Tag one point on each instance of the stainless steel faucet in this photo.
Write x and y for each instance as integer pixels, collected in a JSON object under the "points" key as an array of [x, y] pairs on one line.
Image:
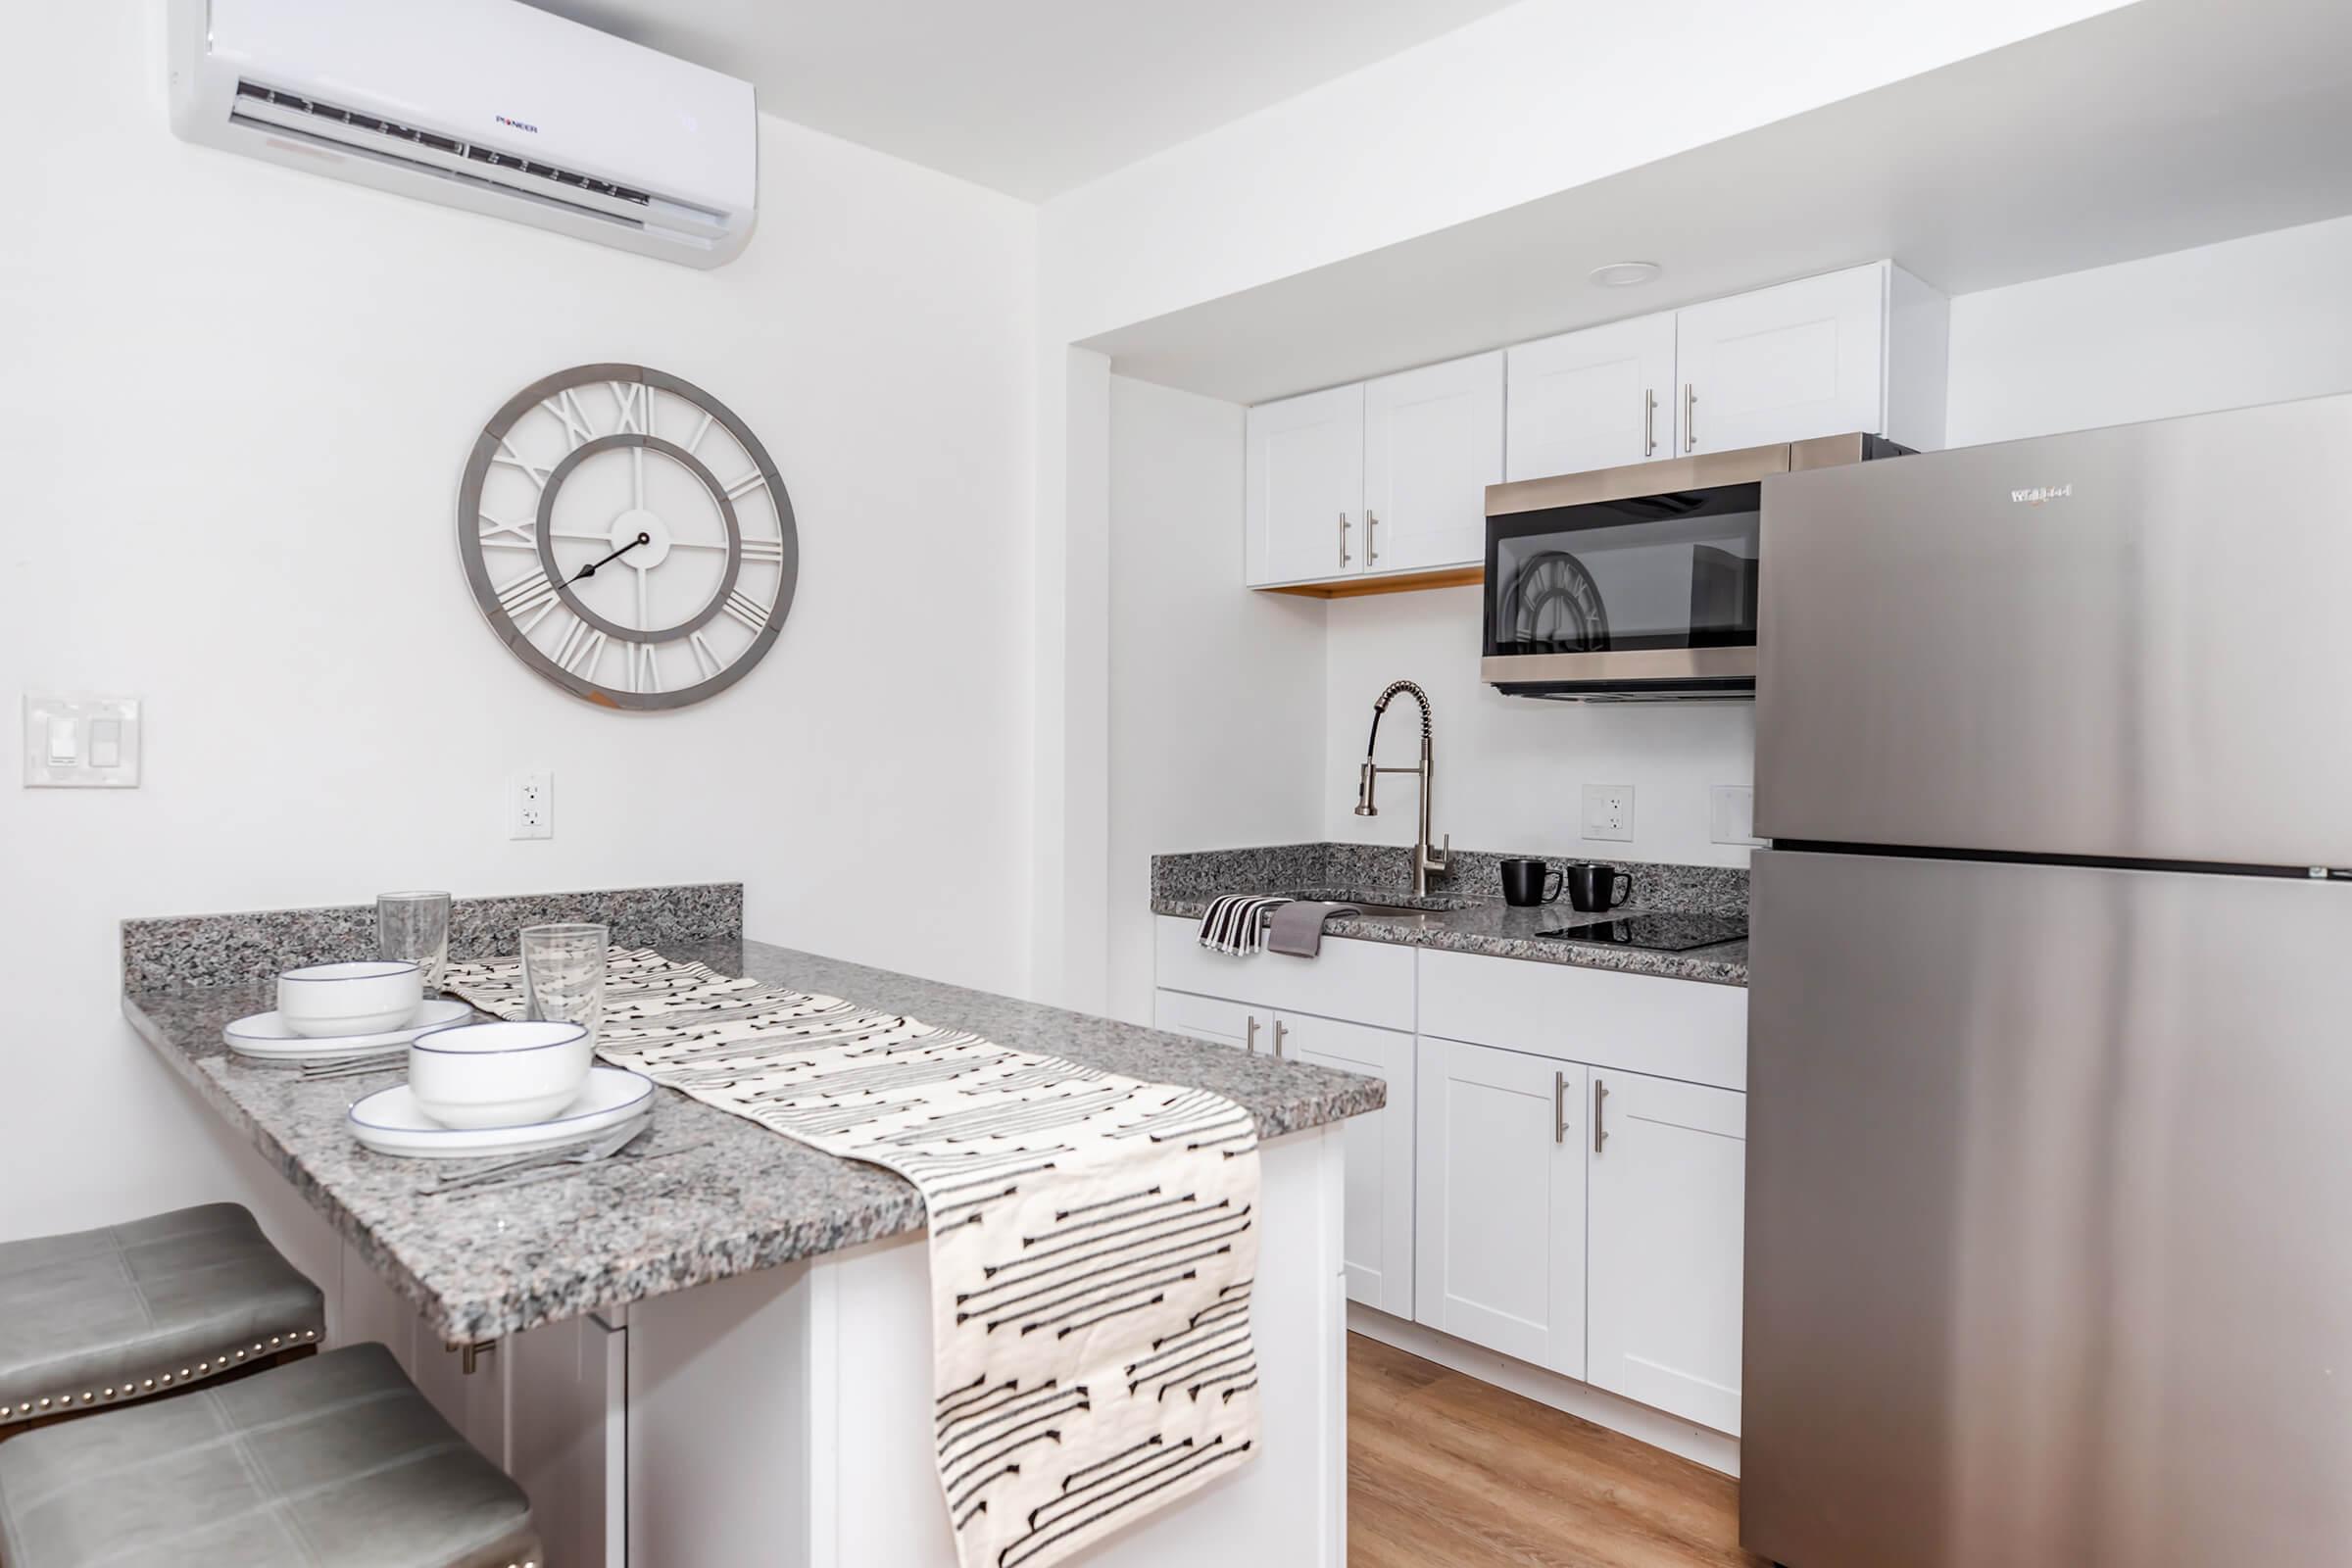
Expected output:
{"points": [[1425, 858]]}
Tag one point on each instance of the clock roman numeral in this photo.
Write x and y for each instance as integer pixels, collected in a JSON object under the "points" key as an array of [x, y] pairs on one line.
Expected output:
{"points": [[701, 430], [704, 660], [564, 406], [497, 535], [508, 456], [644, 675], [582, 645], [632, 406], [770, 550], [754, 480], [746, 609], [527, 599]]}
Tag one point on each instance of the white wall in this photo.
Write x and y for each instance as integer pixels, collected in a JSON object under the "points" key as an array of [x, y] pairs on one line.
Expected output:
{"points": [[2259, 320], [1540, 97], [1511, 770], [1216, 732], [236, 403]]}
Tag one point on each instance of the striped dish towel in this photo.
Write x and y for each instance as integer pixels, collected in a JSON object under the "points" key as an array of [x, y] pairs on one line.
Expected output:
{"points": [[1236, 924]]}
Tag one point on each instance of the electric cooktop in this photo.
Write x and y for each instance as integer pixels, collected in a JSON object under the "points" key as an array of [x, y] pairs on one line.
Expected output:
{"points": [[1660, 933]]}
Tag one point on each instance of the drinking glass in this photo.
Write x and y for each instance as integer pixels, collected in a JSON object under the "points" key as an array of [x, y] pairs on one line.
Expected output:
{"points": [[415, 926], [563, 974]]}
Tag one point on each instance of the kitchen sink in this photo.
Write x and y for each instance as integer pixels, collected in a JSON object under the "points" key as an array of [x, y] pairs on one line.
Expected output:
{"points": [[1385, 909]]}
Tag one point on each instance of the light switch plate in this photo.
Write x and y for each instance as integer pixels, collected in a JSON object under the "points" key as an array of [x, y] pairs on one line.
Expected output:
{"points": [[1732, 808], [82, 743], [1609, 812]]}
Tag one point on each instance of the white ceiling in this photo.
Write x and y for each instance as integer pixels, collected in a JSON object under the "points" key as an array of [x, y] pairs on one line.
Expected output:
{"points": [[1029, 96], [2162, 126]]}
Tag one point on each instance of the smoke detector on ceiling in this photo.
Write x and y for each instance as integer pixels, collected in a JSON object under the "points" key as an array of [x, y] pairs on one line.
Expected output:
{"points": [[1625, 275]]}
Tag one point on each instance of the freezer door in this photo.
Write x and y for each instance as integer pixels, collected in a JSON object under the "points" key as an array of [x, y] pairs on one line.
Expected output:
{"points": [[2129, 643], [2049, 1217]]}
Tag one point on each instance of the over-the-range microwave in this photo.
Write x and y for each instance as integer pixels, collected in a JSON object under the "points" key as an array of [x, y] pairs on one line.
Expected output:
{"points": [[1638, 583]]}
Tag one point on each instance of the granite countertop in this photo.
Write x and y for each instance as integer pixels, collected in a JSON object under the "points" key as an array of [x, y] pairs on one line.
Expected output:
{"points": [[482, 1264], [1479, 921]]}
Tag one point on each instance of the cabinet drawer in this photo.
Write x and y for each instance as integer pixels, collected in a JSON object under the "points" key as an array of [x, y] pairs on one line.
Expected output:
{"points": [[1639, 1023], [1211, 1019], [1364, 982]]}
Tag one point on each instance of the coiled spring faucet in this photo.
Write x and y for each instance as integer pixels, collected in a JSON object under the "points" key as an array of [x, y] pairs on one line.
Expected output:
{"points": [[1425, 858]]}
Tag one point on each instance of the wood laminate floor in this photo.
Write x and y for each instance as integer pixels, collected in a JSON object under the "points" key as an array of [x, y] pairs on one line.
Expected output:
{"points": [[1444, 1471]]}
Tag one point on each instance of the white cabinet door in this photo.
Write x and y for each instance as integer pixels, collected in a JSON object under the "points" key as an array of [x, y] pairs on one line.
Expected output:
{"points": [[1433, 442], [1211, 1019], [1379, 1246], [1305, 471], [1668, 1179], [1597, 399], [1500, 1250], [1786, 364]]}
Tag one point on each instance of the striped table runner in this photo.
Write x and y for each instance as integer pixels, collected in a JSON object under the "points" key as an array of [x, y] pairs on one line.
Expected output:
{"points": [[1093, 1240]]}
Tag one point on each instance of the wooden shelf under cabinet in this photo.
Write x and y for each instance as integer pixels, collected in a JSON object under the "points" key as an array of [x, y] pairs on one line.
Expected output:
{"points": [[1401, 583]]}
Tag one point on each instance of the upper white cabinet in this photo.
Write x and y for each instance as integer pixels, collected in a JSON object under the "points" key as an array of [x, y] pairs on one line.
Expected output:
{"points": [[1499, 1232], [1597, 399], [1785, 363], [1433, 442], [1387, 479], [1667, 1183], [1306, 505]]}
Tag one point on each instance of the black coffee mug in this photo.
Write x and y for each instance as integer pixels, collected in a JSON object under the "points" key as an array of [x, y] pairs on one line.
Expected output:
{"points": [[1528, 882], [1592, 887]]}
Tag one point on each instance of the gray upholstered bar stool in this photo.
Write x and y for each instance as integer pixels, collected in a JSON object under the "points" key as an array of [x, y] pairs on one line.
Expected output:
{"points": [[336, 1459], [128, 1312]]}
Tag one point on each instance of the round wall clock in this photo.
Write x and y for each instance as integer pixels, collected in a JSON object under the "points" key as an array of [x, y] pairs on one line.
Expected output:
{"points": [[627, 537]]}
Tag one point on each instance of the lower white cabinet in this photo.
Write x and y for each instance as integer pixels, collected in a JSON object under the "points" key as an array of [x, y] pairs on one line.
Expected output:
{"points": [[1521, 1190], [1666, 1175], [1378, 1251], [1501, 1202], [1379, 1246]]}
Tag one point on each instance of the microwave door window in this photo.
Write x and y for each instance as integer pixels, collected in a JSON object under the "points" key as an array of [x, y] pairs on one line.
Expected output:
{"points": [[1590, 579]]}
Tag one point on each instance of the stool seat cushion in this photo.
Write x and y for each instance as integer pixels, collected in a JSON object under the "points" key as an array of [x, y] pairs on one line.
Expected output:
{"points": [[127, 1311], [334, 1459]]}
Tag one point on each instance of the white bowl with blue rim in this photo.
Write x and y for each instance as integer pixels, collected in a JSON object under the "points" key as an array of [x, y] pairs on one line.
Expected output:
{"points": [[365, 997], [499, 1074]]}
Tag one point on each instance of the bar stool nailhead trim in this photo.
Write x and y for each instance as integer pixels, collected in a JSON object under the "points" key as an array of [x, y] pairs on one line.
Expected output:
{"points": [[290, 1338]]}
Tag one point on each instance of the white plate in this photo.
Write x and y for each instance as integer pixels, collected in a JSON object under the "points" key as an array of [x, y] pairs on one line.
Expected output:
{"points": [[389, 1122], [266, 1036]]}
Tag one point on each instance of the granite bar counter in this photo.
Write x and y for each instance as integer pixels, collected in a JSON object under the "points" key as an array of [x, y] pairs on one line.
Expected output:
{"points": [[1467, 913], [486, 1264]]}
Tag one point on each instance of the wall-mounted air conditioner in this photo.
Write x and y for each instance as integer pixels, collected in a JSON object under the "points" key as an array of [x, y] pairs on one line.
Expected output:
{"points": [[483, 104]]}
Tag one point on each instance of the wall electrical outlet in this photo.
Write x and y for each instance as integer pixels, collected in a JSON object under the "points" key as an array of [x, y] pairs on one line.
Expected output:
{"points": [[532, 806], [1609, 811]]}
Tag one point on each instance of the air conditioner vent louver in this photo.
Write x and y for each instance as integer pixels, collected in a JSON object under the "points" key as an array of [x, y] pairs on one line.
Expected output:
{"points": [[440, 143]]}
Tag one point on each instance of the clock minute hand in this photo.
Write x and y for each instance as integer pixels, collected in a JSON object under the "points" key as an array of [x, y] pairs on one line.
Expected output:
{"points": [[589, 571]]}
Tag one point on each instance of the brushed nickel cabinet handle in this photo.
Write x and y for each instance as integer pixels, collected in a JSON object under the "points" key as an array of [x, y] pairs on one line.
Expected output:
{"points": [[1344, 556], [1600, 1093], [1559, 1108], [1649, 423], [1253, 1034], [1371, 539], [1690, 418], [1280, 1032]]}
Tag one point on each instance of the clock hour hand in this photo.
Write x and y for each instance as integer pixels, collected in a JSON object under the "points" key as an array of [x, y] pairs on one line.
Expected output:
{"points": [[589, 571]]}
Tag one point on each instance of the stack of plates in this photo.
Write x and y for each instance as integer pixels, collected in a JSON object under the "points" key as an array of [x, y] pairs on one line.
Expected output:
{"points": [[266, 1037], [389, 1121]]}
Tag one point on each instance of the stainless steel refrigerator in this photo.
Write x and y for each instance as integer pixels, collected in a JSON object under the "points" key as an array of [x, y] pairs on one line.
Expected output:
{"points": [[2050, 1191]]}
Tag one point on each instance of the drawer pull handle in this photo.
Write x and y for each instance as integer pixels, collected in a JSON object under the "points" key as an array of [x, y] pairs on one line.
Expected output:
{"points": [[1600, 1093], [1559, 1108], [1281, 1030], [1252, 1035]]}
